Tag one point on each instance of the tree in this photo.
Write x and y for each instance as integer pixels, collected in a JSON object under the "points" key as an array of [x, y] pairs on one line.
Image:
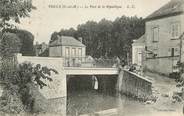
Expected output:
{"points": [[53, 37], [19, 85], [69, 32], [17, 78], [10, 44], [14, 10], [26, 39], [89, 33], [108, 38], [63, 32], [105, 37]]}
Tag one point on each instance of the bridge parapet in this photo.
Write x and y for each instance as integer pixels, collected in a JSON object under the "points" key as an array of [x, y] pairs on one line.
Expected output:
{"points": [[90, 71], [89, 62]]}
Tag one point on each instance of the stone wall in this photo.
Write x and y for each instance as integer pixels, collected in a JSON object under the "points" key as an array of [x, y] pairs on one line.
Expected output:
{"points": [[52, 98], [134, 85], [161, 65]]}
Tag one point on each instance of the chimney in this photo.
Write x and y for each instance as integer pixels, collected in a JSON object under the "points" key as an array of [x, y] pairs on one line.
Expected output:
{"points": [[80, 39]]}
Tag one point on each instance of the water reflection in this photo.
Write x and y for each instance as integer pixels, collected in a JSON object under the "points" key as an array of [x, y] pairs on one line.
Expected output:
{"points": [[82, 98], [84, 102], [128, 106]]}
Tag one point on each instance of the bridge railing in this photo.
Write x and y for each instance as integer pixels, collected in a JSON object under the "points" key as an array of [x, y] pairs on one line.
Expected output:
{"points": [[87, 62]]}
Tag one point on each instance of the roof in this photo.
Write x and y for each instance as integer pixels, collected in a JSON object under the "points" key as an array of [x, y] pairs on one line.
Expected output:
{"points": [[172, 8], [66, 41], [140, 41]]}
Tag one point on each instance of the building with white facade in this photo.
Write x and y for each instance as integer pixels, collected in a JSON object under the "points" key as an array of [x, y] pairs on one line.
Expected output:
{"points": [[73, 50], [138, 49]]}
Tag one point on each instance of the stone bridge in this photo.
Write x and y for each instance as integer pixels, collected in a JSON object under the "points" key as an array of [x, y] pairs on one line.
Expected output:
{"points": [[56, 92]]}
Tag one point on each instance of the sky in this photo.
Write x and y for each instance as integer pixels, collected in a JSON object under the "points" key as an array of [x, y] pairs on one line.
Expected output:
{"points": [[45, 20]]}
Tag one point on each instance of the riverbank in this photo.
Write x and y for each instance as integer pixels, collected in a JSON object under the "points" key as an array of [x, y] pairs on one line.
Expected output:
{"points": [[89, 103], [163, 88]]}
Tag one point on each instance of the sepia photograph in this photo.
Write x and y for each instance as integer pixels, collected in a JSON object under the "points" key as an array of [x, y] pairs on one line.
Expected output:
{"points": [[91, 57]]}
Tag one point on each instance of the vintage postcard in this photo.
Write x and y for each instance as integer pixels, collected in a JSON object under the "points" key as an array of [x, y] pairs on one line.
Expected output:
{"points": [[91, 57]]}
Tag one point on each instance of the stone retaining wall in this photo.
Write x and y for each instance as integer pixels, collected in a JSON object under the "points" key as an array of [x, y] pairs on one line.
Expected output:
{"points": [[52, 98], [134, 85]]}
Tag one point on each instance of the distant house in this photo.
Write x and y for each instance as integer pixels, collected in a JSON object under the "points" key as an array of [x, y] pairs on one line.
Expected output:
{"points": [[163, 30], [138, 49], [69, 48], [40, 48]]}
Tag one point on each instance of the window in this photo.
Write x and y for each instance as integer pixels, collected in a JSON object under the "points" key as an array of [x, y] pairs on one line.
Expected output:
{"points": [[173, 51], [67, 52], [74, 52], [175, 30], [155, 34], [80, 52]]}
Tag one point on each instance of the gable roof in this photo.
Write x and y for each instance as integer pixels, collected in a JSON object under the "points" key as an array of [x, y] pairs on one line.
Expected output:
{"points": [[66, 41], [140, 41], [172, 8]]}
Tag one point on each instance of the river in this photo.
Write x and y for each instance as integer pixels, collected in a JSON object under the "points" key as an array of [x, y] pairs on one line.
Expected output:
{"points": [[84, 99], [91, 101]]}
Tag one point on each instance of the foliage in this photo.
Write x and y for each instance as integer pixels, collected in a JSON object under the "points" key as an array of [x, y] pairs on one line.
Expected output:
{"points": [[53, 37], [18, 86], [16, 90], [45, 53], [179, 78], [10, 101], [17, 97], [29, 73], [26, 39], [14, 10], [9, 44], [107, 38], [70, 32]]}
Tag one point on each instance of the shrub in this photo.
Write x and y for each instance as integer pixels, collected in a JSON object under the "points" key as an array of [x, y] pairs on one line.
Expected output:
{"points": [[17, 90]]}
